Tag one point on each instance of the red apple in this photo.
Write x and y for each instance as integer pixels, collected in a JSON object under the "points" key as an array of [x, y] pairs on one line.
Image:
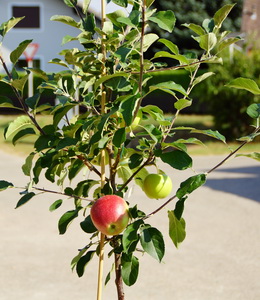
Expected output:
{"points": [[110, 214]]}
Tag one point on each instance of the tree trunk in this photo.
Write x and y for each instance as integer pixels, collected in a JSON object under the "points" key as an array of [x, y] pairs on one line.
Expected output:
{"points": [[119, 281]]}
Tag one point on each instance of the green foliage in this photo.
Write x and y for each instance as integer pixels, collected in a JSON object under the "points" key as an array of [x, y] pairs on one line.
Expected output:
{"points": [[198, 12], [229, 105], [102, 139]]}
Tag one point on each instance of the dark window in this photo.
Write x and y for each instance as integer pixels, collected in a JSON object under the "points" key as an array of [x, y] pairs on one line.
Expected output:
{"points": [[31, 14]]}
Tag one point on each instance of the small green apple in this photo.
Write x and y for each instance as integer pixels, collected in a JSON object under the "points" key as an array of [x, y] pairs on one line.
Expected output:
{"points": [[157, 186], [135, 123], [110, 214]]}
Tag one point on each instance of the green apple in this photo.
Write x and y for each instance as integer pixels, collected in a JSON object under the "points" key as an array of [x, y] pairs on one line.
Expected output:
{"points": [[110, 214], [157, 186], [133, 125]]}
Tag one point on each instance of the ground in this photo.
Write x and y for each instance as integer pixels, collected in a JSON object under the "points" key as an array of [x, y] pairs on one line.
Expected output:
{"points": [[219, 260]]}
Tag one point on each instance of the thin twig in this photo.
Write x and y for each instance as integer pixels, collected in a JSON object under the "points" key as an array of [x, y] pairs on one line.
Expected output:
{"points": [[60, 193], [147, 162]]}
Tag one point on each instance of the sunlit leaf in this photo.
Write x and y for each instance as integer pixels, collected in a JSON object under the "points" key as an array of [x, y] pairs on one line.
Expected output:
{"points": [[130, 236], [5, 185], [152, 242], [27, 197], [177, 231], [130, 269], [254, 155], [83, 261], [66, 219], [55, 205], [177, 159], [190, 185], [20, 123], [254, 110], [65, 19], [221, 14], [15, 55], [164, 19], [172, 47], [245, 84]]}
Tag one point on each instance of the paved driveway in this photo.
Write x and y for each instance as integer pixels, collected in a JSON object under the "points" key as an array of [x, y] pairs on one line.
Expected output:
{"points": [[219, 260]]}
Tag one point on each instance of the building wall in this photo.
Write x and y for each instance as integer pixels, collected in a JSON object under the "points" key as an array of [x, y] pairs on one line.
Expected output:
{"points": [[49, 36], [251, 17]]}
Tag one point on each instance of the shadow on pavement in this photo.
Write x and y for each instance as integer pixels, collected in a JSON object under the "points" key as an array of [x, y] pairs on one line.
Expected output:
{"points": [[247, 185]]}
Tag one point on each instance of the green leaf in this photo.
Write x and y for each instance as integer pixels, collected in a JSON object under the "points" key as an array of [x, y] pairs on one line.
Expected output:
{"points": [[130, 236], [207, 41], [22, 134], [85, 5], [212, 133], [177, 231], [60, 113], [152, 242], [65, 19], [115, 15], [172, 47], [127, 107], [107, 77], [227, 42], [221, 14], [87, 225], [55, 205], [190, 185], [122, 3], [179, 208], [20, 83], [135, 160], [119, 137], [177, 159], [5, 185], [254, 155], [164, 19], [33, 101], [6, 26], [254, 110], [245, 84], [6, 102], [27, 197], [169, 85], [149, 39], [66, 219], [195, 28], [130, 269], [202, 77], [69, 3], [182, 103], [83, 261], [20, 123], [119, 84], [15, 55]]}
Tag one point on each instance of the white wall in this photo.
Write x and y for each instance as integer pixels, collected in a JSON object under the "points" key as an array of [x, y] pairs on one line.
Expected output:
{"points": [[49, 37]]}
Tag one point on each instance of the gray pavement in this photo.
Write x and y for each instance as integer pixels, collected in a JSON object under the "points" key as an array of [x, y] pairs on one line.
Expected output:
{"points": [[219, 260]]}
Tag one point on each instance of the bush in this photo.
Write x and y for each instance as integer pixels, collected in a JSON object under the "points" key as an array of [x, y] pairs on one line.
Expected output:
{"points": [[228, 106]]}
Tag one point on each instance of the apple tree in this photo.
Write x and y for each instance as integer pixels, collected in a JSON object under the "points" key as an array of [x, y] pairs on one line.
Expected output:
{"points": [[115, 137]]}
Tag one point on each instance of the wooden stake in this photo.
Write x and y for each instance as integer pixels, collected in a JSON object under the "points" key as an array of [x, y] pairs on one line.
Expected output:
{"points": [[103, 164]]}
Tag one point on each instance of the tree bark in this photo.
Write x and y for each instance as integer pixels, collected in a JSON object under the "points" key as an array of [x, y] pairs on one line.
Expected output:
{"points": [[119, 280]]}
